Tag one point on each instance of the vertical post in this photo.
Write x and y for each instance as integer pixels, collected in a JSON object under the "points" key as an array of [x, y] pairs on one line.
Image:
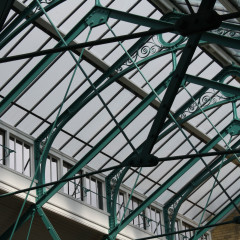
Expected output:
{"points": [[48, 224], [6, 143]]}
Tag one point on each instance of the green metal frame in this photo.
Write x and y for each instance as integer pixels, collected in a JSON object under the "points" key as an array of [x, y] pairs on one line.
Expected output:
{"points": [[223, 37], [48, 224], [117, 175], [218, 217], [6, 6], [11, 31], [175, 80], [154, 24], [221, 76], [166, 185], [176, 201], [71, 111]]}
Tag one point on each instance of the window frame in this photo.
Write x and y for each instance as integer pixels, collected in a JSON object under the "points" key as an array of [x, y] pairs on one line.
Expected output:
{"points": [[140, 216], [3, 143], [69, 183], [158, 229], [51, 158], [13, 156], [99, 196]]}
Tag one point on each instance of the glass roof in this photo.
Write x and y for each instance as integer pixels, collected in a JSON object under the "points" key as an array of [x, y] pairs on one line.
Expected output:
{"points": [[37, 106]]}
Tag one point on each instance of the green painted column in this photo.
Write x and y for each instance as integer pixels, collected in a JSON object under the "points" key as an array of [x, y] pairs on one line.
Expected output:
{"points": [[48, 224]]}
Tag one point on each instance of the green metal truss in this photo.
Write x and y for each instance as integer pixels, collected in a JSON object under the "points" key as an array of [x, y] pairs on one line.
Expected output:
{"points": [[218, 217], [69, 113], [220, 77], [11, 31], [92, 19], [176, 201], [5, 9], [154, 24], [48, 224], [167, 184], [114, 179]]}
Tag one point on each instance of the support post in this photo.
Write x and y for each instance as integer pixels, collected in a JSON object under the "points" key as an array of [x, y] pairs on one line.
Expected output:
{"points": [[48, 224]]}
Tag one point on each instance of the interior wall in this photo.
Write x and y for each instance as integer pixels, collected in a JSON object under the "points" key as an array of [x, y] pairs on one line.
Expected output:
{"points": [[227, 232]]}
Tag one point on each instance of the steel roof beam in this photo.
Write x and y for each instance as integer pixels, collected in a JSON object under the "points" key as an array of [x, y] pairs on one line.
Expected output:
{"points": [[166, 184], [215, 51], [6, 6], [172, 89], [226, 210], [159, 120], [224, 88], [102, 66], [177, 200]]}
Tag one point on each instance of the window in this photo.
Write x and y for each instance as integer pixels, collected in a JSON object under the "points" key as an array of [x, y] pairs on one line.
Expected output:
{"points": [[74, 187], [140, 219], [94, 192], [176, 229], [153, 220], [189, 234], [87, 189], [20, 159], [51, 170], [186, 227], [120, 205], [2, 144]]}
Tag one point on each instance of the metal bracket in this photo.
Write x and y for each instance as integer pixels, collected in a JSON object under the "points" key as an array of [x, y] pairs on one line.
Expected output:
{"points": [[7, 151], [98, 17], [234, 128], [148, 161], [198, 22]]}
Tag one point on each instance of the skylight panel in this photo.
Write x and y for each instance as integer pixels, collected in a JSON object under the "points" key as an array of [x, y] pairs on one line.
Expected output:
{"points": [[29, 123]]}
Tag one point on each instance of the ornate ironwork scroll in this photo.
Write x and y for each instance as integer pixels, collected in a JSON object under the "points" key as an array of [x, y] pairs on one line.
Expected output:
{"points": [[113, 182], [170, 212], [210, 97], [154, 45], [42, 2], [226, 32]]}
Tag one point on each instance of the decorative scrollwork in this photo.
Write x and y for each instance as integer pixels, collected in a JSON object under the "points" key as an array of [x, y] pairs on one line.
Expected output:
{"points": [[205, 100], [226, 32], [171, 209], [114, 181], [43, 144], [155, 44], [150, 48], [42, 2]]}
